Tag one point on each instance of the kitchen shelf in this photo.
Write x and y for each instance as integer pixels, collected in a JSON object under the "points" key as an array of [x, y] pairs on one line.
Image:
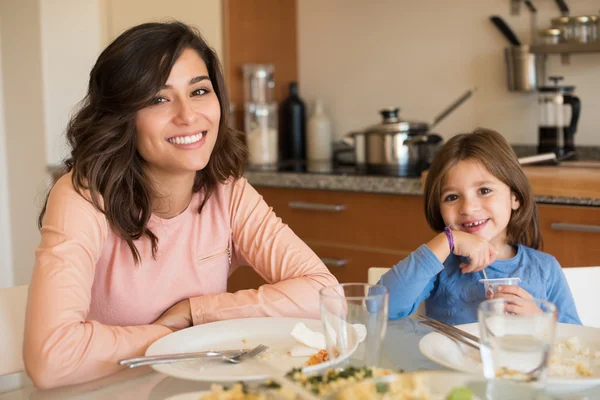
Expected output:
{"points": [[566, 48]]}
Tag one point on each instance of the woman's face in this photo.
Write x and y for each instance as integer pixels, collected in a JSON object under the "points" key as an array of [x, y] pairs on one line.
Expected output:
{"points": [[176, 134]]}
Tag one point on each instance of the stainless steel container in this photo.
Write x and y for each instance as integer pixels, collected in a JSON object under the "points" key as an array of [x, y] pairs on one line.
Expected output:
{"points": [[524, 69]]}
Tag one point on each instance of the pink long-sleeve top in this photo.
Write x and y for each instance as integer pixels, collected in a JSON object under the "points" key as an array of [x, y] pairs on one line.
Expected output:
{"points": [[90, 305]]}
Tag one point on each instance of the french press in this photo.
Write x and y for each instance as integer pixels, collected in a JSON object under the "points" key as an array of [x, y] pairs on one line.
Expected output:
{"points": [[555, 133]]}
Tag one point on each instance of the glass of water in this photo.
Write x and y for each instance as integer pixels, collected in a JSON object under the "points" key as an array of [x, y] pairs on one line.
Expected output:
{"points": [[354, 317], [516, 339]]}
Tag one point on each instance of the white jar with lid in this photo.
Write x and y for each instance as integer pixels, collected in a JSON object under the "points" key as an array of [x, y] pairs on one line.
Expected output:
{"points": [[319, 135]]}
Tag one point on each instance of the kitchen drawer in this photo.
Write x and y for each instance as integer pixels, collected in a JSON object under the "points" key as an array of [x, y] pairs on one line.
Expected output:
{"points": [[571, 234], [351, 264], [361, 219]]}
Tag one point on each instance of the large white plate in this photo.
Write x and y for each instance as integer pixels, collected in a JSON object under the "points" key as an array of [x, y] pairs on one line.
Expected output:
{"points": [[459, 357], [236, 334], [440, 383]]}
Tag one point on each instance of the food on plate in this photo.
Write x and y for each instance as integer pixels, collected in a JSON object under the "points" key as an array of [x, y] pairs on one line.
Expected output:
{"points": [[366, 383], [460, 393], [318, 358], [571, 359], [312, 344], [332, 380], [240, 391]]}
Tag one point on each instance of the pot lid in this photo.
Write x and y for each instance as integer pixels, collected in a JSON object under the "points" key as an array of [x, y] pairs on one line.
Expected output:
{"points": [[391, 123]]}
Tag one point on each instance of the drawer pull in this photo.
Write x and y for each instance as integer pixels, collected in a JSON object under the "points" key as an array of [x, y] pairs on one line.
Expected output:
{"points": [[334, 262], [563, 226], [302, 205]]}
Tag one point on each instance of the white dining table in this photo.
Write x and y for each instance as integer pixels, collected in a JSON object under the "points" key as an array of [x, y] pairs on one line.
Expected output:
{"points": [[400, 350]]}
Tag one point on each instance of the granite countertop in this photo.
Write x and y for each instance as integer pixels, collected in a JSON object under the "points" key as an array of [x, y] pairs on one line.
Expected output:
{"points": [[391, 185]]}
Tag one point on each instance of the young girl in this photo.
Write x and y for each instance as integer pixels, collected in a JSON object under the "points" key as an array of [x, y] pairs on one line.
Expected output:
{"points": [[479, 199]]}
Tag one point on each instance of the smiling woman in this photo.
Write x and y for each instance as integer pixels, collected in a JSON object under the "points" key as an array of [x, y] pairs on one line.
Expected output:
{"points": [[141, 234]]}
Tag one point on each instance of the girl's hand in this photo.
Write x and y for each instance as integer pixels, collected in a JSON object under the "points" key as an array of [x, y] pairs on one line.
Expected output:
{"points": [[480, 251], [177, 317], [513, 294]]}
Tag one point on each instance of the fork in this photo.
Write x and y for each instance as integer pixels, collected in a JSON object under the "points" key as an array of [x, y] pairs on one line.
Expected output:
{"points": [[450, 331], [235, 359]]}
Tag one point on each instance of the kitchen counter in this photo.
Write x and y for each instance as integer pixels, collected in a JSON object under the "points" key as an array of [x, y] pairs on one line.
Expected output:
{"points": [[568, 184]]}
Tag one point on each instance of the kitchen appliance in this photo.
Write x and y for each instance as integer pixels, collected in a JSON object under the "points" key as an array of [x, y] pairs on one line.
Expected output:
{"points": [[556, 130], [260, 116], [398, 147]]}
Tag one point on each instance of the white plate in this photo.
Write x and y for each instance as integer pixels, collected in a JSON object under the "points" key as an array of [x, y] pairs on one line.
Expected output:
{"points": [[440, 383], [236, 334], [448, 353]]}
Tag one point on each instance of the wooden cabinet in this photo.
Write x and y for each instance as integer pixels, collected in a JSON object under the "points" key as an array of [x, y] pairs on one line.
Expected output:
{"points": [[571, 234], [351, 232]]}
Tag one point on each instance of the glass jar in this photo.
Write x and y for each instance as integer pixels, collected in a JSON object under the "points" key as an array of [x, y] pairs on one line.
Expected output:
{"points": [[260, 125], [550, 36], [581, 29], [259, 83]]}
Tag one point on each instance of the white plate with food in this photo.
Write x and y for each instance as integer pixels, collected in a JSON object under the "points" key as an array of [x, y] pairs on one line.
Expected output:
{"points": [[575, 362], [238, 334], [425, 385]]}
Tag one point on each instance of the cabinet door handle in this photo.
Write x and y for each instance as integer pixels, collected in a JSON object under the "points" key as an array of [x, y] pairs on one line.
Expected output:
{"points": [[334, 262], [563, 226], [303, 205]]}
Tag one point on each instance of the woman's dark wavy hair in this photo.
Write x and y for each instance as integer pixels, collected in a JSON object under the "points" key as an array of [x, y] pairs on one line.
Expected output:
{"points": [[102, 135], [493, 152]]}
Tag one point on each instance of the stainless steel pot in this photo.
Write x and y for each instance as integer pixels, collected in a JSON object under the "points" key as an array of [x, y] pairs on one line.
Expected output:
{"points": [[398, 147]]}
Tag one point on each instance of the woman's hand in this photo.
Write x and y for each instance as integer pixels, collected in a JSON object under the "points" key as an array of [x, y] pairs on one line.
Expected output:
{"points": [[177, 317], [481, 252], [513, 294]]}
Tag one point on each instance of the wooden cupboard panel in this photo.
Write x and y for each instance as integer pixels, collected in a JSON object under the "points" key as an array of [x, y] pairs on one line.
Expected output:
{"points": [[259, 32], [353, 265], [571, 248], [375, 221], [244, 278]]}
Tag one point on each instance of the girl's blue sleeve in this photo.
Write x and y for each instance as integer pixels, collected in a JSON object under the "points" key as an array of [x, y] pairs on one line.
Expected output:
{"points": [[411, 281], [559, 293]]}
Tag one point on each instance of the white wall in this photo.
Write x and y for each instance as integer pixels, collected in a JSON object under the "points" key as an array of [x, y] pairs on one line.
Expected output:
{"points": [[206, 15], [374, 54], [24, 123], [71, 40], [6, 264]]}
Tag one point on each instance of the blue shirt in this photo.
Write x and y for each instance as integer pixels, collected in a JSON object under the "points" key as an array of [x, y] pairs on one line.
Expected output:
{"points": [[453, 297]]}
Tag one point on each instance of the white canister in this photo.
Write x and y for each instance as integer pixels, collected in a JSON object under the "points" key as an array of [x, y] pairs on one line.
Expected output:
{"points": [[319, 136]]}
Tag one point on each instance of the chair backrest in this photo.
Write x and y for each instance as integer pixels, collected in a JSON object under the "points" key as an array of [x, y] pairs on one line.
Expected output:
{"points": [[585, 286], [13, 302], [375, 273]]}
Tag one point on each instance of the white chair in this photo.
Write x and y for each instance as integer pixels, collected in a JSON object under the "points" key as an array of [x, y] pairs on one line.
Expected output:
{"points": [[585, 287], [13, 302], [375, 273]]}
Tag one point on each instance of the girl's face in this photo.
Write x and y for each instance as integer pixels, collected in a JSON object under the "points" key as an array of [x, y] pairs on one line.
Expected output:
{"points": [[475, 201], [176, 134]]}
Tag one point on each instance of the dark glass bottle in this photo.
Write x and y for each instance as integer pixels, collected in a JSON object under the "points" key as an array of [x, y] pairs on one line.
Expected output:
{"points": [[292, 129]]}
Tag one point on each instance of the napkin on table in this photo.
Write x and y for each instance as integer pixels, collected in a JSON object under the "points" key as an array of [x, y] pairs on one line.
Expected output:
{"points": [[309, 342]]}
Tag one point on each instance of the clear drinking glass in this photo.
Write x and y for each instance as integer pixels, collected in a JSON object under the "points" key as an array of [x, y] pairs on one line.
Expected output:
{"points": [[517, 346], [350, 311]]}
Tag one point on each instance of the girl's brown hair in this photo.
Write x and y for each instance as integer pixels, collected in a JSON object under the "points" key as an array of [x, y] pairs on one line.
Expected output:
{"points": [[102, 135], [493, 152]]}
